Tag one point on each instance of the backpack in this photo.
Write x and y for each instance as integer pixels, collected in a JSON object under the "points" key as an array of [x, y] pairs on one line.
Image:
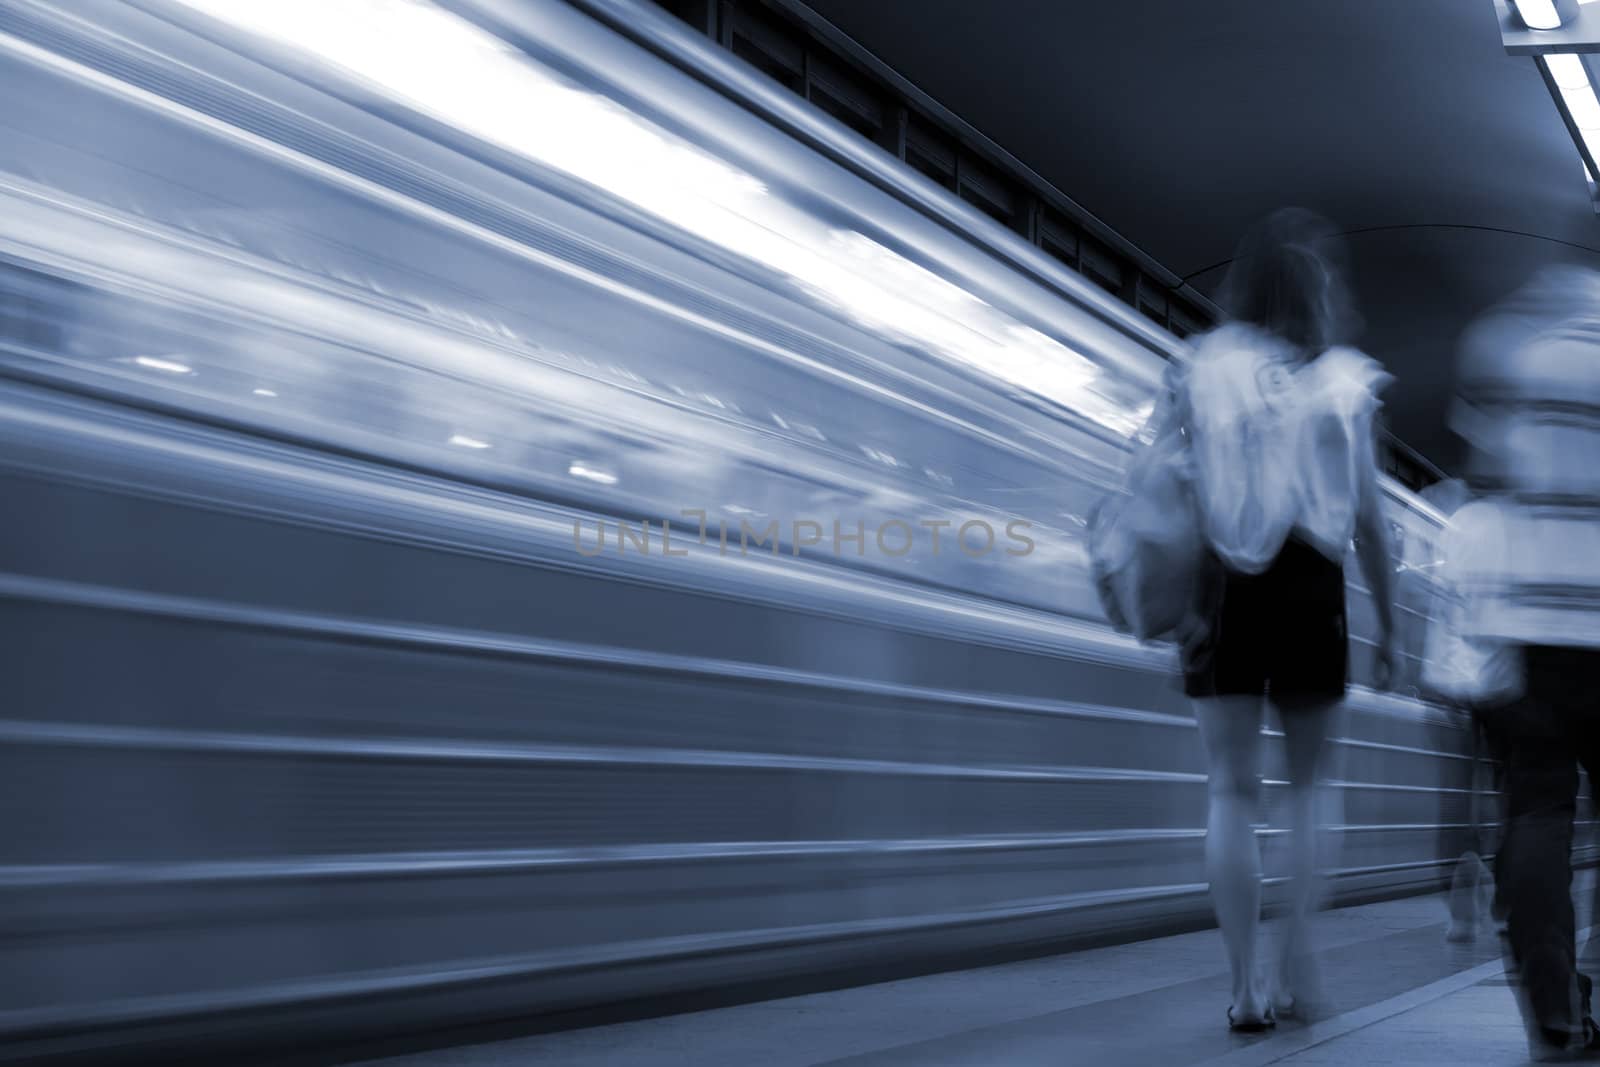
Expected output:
{"points": [[1458, 666], [1146, 549]]}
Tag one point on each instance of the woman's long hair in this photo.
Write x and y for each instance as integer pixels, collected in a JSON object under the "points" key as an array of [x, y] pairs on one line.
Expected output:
{"points": [[1285, 280]]}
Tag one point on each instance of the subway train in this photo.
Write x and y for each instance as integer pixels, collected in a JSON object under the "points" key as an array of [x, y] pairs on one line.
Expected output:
{"points": [[510, 514]]}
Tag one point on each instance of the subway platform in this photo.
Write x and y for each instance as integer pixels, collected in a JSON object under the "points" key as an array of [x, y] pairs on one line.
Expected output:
{"points": [[1397, 992]]}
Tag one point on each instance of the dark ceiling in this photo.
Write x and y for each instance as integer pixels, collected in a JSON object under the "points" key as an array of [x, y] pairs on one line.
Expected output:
{"points": [[1179, 122]]}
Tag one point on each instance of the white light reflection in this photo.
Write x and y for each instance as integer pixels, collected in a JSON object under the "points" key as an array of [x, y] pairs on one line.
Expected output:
{"points": [[879, 456], [1539, 14], [1567, 70], [1583, 107], [1578, 97], [468, 442], [170, 366], [443, 65], [579, 470], [264, 392]]}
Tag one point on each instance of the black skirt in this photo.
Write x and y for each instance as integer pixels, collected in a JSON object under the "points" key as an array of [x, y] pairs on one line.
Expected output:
{"points": [[1281, 632]]}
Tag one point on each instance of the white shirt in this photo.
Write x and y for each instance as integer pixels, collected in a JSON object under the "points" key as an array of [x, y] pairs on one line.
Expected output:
{"points": [[1280, 447], [1542, 587], [1536, 420]]}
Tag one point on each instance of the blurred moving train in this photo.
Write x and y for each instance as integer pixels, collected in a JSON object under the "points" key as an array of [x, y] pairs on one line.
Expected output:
{"points": [[333, 330]]}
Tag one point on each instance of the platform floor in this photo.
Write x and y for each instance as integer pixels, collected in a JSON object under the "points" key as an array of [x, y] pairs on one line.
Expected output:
{"points": [[1397, 993]]}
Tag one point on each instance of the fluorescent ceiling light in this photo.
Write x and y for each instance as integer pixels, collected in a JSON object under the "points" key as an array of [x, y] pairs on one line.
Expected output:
{"points": [[1583, 107], [168, 365], [1539, 14], [1567, 70], [1577, 99], [443, 65]]}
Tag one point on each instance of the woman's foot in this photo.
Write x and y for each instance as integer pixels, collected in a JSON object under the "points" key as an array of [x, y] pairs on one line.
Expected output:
{"points": [[1251, 1013], [1245, 1021], [1299, 992]]}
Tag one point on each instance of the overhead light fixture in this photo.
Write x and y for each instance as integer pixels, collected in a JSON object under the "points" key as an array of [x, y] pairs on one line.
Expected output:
{"points": [[1567, 77], [1541, 14], [1567, 71], [1558, 34]]}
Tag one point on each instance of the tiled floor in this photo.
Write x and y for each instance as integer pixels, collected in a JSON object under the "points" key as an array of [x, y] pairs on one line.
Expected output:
{"points": [[1397, 993], [1472, 1026]]}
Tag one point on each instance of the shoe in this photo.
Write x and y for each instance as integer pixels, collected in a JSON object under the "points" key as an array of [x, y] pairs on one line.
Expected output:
{"points": [[1557, 1046], [1244, 1025]]}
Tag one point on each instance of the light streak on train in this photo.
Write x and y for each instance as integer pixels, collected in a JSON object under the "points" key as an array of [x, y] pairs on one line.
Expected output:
{"points": [[466, 77]]}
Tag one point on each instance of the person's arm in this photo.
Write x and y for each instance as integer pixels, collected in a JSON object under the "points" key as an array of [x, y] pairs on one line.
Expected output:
{"points": [[1376, 556], [1170, 413]]}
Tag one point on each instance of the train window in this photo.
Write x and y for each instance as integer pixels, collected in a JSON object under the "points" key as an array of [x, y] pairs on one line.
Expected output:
{"points": [[701, 14], [1100, 266], [767, 47], [1058, 237], [846, 98], [931, 152], [988, 191], [1152, 300], [868, 126], [1181, 322]]}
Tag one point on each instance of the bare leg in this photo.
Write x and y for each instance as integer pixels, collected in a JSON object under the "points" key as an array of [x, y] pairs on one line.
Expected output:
{"points": [[1306, 730], [1231, 730]]}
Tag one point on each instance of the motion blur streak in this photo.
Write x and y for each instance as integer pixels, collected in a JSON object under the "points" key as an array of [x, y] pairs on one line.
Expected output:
{"points": [[471, 80], [316, 345]]}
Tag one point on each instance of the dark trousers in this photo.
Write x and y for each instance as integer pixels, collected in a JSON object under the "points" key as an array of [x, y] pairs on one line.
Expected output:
{"points": [[1549, 732]]}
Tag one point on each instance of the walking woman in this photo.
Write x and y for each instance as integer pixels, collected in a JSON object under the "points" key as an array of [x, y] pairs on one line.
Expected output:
{"points": [[1282, 437]]}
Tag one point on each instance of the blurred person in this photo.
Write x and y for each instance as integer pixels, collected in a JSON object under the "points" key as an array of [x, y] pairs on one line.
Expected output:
{"points": [[1280, 420], [1530, 406], [1476, 681]]}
